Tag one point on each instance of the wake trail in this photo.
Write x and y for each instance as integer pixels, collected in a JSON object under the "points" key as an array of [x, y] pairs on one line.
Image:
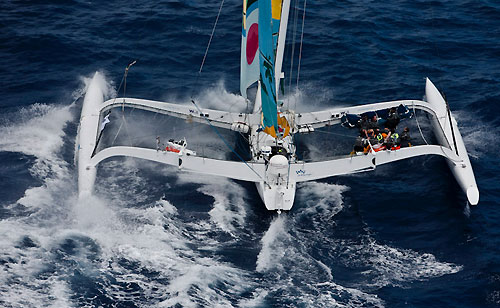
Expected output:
{"points": [[289, 255]]}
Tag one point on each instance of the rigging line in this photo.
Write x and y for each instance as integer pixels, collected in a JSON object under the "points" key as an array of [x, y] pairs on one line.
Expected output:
{"points": [[124, 121], [123, 106], [211, 36], [289, 164], [119, 87], [119, 128], [286, 53], [243, 136], [418, 125], [301, 40], [225, 142], [295, 17], [125, 85], [451, 124], [206, 51], [331, 133], [124, 80]]}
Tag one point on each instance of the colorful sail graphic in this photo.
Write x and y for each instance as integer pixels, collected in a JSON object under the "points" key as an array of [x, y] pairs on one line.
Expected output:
{"points": [[249, 70], [267, 49], [276, 20], [260, 36]]}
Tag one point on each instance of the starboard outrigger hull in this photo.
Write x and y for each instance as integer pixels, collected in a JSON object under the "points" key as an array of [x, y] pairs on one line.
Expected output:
{"points": [[446, 129]]}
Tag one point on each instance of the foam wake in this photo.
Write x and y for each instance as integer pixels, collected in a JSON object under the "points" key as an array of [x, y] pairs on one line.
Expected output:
{"points": [[106, 248], [300, 253], [293, 276]]}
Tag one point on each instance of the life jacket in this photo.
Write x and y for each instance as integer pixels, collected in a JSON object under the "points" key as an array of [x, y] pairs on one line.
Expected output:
{"points": [[395, 138], [395, 142]]}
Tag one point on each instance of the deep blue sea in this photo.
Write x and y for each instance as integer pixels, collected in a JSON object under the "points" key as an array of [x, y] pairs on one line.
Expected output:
{"points": [[401, 236]]}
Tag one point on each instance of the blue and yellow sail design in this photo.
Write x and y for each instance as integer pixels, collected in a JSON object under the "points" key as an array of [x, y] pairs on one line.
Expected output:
{"points": [[276, 20], [260, 31], [269, 21]]}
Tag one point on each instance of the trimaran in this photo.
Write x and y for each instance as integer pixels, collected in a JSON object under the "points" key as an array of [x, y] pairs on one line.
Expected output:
{"points": [[274, 165]]}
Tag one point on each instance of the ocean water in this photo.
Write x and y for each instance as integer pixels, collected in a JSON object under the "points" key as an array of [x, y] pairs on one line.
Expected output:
{"points": [[401, 236]]}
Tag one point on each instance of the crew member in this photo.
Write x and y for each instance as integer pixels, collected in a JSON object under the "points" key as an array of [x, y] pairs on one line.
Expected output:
{"points": [[393, 141], [392, 119], [364, 126], [359, 144], [374, 125], [405, 136]]}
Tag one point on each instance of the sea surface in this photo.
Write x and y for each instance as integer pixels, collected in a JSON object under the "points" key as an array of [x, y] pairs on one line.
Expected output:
{"points": [[401, 236]]}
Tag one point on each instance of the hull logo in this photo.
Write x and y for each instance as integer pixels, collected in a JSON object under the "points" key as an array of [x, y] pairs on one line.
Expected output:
{"points": [[301, 172]]}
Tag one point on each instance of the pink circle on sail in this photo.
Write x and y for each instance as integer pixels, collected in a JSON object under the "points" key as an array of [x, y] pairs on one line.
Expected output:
{"points": [[252, 42]]}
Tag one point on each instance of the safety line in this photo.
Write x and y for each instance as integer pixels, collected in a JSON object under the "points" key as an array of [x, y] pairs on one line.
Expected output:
{"points": [[211, 36], [418, 125]]}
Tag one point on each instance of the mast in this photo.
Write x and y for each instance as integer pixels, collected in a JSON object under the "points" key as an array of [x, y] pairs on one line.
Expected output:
{"points": [[285, 9]]}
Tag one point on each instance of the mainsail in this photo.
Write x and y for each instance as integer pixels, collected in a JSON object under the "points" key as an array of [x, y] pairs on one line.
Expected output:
{"points": [[263, 33], [249, 45]]}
